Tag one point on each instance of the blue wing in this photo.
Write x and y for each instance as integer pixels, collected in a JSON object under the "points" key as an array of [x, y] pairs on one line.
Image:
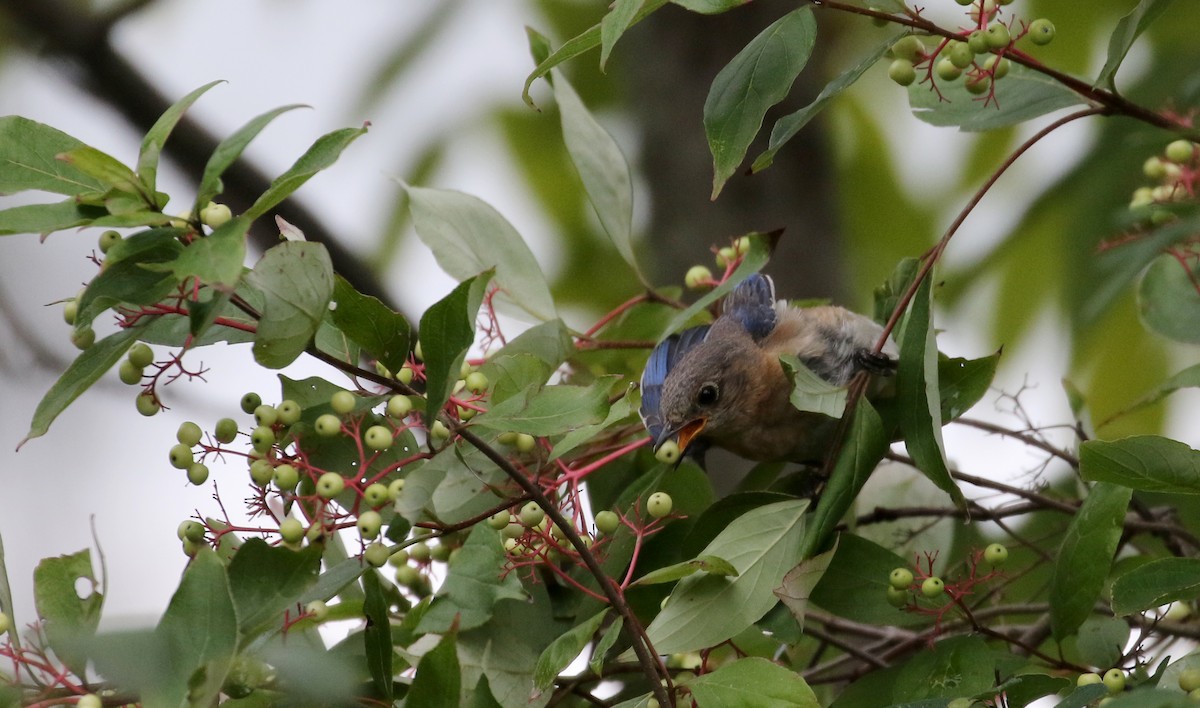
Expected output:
{"points": [[752, 303], [660, 363]]}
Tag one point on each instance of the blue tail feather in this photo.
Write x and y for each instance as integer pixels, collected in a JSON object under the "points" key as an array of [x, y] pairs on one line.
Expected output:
{"points": [[752, 303]]}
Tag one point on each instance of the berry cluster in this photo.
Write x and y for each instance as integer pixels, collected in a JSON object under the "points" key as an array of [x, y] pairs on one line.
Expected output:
{"points": [[1176, 176], [905, 583], [1113, 680], [978, 53]]}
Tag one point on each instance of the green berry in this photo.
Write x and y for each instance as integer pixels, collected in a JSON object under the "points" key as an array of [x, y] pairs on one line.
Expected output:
{"points": [[897, 597], [369, 523], [376, 555], [395, 488], [513, 530], [261, 472], [343, 402], [291, 530], [1088, 679], [725, 256], [266, 415], [330, 484], [477, 382], [1189, 680], [1194, 695], [375, 495], [327, 425], [146, 404], [607, 522], [697, 277], [197, 473], [5, 623], [440, 553], [405, 375], [668, 453], [909, 48], [226, 430], [1041, 31], [128, 373], [1154, 168], [997, 35], [995, 554], [659, 504], [398, 407], [108, 239], [741, 244], [961, 55], [287, 412], [250, 402], [1181, 151], [933, 586], [189, 433], [70, 311], [140, 355], [262, 438], [181, 456], [532, 514], [398, 558], [439, 431], [419, 552], [190, 530], [214, 215], [286, 477], [947, 71], [407, 576], [418, 352], [978, 84], [499, 520], [525, 443], [89, 700], [83, 338], [378, 437], [1114, 679], [317, 609], [900, 578], [977, 42], [998, 66], [902, 72]]}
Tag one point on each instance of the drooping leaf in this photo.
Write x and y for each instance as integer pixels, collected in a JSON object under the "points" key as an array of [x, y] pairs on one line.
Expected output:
{"points": [[706, 609], [1085, 556], [753, 682], [756, 79], [28, 152], [70, 620], [605, 644], [378, 634], [797, 586], [678, 571], [228, 151], [1128, 29], [467, 236], [217, 258], [551, 410], [473, 585], [438, 682], [1187, 378], [447, 331], [601, 166], [106, 169], [156, 137], [372, 324], [323, 153], [1023, 95], [614, 24], [129, 274], [963, 382], [1147, 463], [45, 218], [811, 392], [1168, 301], [265, 580], [562, 651], [296, 280]]}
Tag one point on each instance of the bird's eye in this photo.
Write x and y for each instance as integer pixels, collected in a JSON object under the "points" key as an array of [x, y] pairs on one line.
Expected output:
{"points": [[708, 395]]}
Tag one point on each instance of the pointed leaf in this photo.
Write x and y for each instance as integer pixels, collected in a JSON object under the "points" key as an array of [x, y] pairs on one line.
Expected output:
{"points": [[1187, 378], [962, 382], [104, 168], [45, 218], [28, 160], [438, 681], [156, 137], [467, 237], [614, 24], [229, 150], [1086, 556], [128, 275], [265, 581], [323, 153], [564, 650], [1128, 29], [296, 280], [552, 410], [70, 620], [760, 251], [378, 329], [710, 7], [378, 634], [811, 392], [671, 573], [447, 331], [1168, 302], [705, 610], [1155, 584], [473, 585], [607, 640], [601, 166], [216, 259], [753, 682], [798, 584], [1147, 463], [756, 79], [1023, 95]]}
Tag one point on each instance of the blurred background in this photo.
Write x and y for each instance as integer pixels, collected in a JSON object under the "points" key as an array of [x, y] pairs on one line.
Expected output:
{"points": [[440, 80]]}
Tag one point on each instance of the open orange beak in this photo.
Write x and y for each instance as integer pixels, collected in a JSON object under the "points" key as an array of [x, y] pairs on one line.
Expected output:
{"points": [[685, 434]]}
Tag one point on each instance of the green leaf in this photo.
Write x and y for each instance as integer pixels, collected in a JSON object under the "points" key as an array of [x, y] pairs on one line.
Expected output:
{"points": [[1168, 302], [1102, 640], [619, 411], [754, 260], [607, 640], [264, 581], [474, 584], [156, 137], [447, 331], [811, 392], [228, 151], [296, 280], [709, 7], [70, 620], [323, 153], [855, 584], [199, 632], [1147, 463], [790, 125], [917, 394], [798, 584], [1023, 95], [88, 367], [106, 169], [753, 682], [551, 410], [1187, 378], [958, 666], [28, 160], [963, 382], [334, 580], [564, 650], [372, 324], [45, 218], [378, 634], [614, 24], [705, 610], [467, 236], [1129, 28], [1023, 689], [588, 40], [215, 259], [602, 168], [1155, 584], [1085, 556], [863, 448], [671, 573], [438, 681], [1083, 696], [129, 274], [756, 79]]}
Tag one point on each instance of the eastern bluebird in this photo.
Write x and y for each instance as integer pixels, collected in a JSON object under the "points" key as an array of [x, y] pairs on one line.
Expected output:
{"points": [[723, 384]]}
